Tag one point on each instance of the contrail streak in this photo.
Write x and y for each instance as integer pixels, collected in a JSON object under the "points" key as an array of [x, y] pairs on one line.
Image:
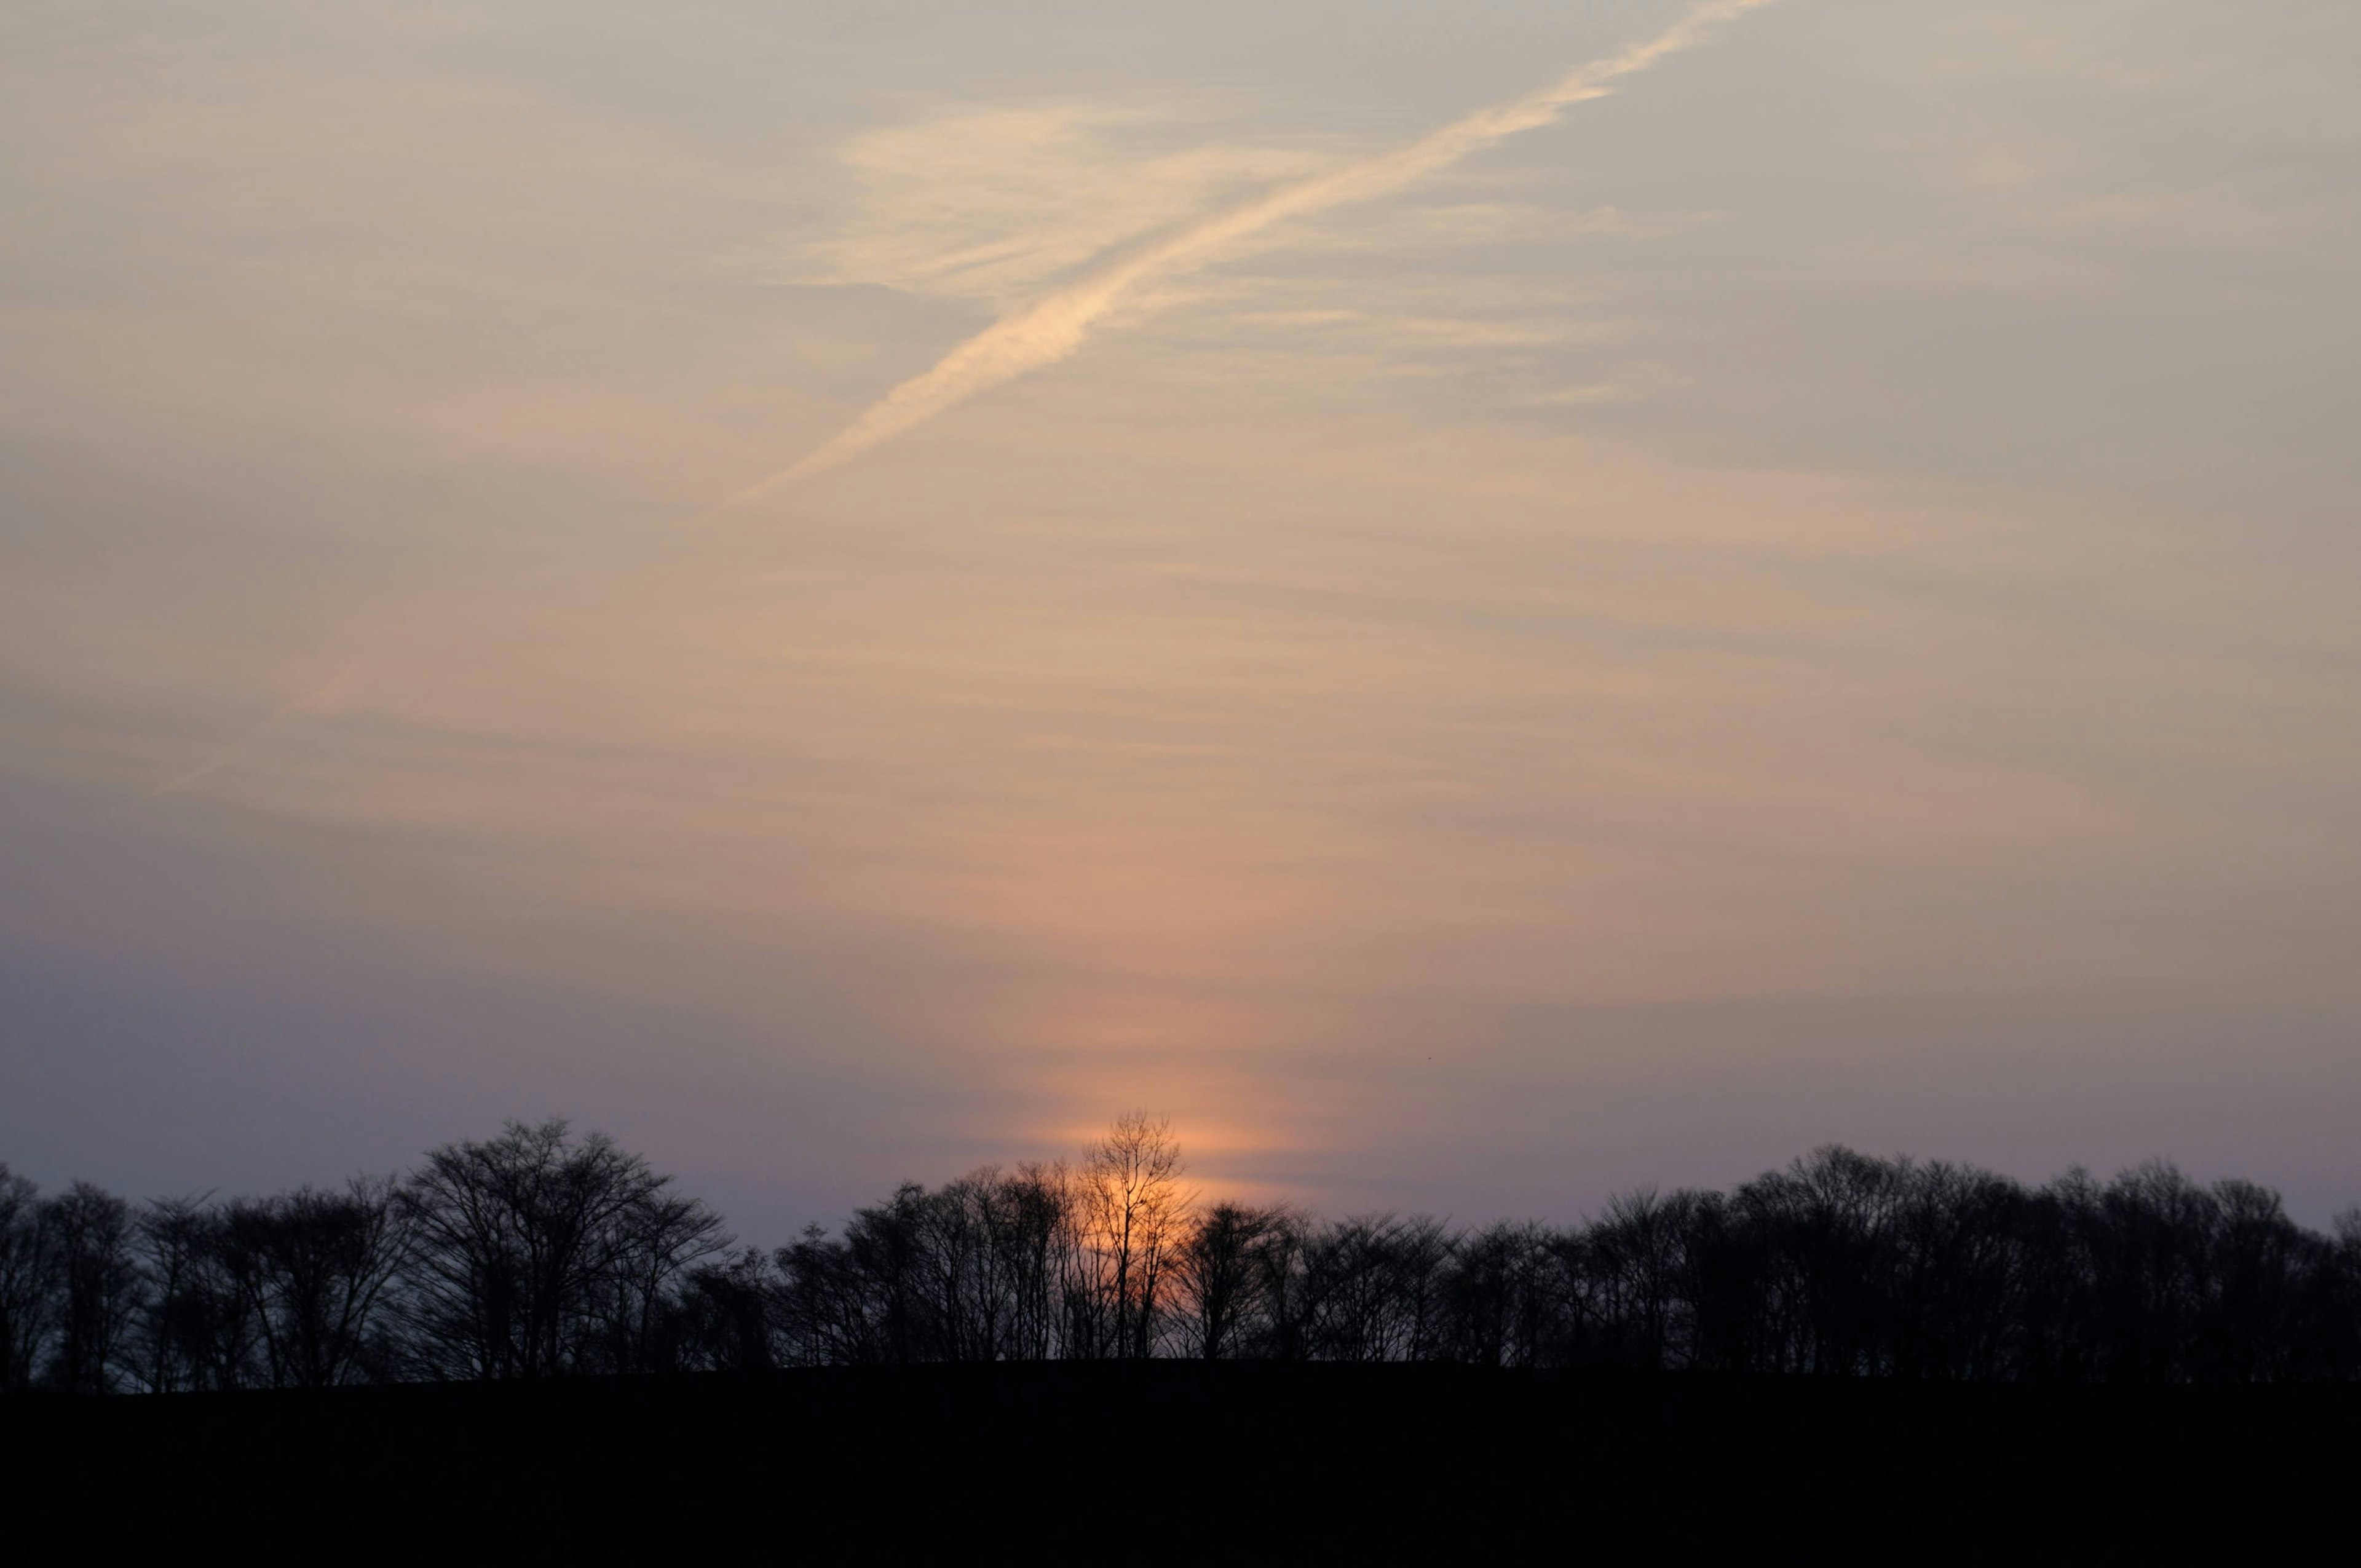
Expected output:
{"points": [[1055, 325], [323, 700]]}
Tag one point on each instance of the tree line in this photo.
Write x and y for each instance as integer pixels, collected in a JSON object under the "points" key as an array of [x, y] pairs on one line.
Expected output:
{"points": [[539, 1252]]}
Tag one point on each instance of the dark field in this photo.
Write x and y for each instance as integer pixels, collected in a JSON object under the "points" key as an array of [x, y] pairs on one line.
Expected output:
{"points": [[1181, 1461]]}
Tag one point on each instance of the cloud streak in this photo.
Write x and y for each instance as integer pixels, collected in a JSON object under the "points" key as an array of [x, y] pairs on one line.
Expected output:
{"points": [[1055, 324], [326, 698]]}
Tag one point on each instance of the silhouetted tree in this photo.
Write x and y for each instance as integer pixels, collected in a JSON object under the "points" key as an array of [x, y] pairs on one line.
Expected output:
{"points": [[521, 1247], [656, 1241], [1041, 1257], [2332, 1322], [1625, 1273], [1369, 1286], [192, 1332], [1135, 1215], [29, 1281], [101, 1288], [1222, 1269], [1502, 1299], [313, 1271], [725, 1316]]}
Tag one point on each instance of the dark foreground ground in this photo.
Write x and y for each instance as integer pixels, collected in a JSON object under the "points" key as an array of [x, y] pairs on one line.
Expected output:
{"points": [[1179, 1462]]}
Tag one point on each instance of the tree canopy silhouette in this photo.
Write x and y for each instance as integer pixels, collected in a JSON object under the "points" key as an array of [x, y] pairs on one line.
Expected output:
{"points": [[539, 1252]]}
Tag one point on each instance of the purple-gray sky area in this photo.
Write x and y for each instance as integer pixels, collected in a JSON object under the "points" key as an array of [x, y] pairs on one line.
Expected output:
{"points": [[1473, 644]]}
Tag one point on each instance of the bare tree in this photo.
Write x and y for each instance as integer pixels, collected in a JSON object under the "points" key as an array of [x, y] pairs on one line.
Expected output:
{"points": [[514, 1239], [728, 1316], [1370, 1287], [189, 1312], [1632, 1265], [91, 1229], [1221, 1271], [1135, 1212], [29, 1281], [1042, 1242], [1497, 1298], [657, 1241], [313, 1270]]}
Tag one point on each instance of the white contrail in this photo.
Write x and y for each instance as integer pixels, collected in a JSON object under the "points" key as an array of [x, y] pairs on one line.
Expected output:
{"points": [[1055, 325]]}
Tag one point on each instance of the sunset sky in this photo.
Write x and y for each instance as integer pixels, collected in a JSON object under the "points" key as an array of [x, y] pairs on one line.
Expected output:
{"points": [[1480, 603]]}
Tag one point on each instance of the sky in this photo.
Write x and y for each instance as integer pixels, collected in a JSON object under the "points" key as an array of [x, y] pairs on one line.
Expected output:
{"points": [[1482, 605]]}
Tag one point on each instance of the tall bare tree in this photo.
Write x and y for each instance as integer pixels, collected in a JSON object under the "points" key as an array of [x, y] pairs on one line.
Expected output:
{"points": [[187, 1320], [1136, 1213], [29, 1291], [101, 1288]]}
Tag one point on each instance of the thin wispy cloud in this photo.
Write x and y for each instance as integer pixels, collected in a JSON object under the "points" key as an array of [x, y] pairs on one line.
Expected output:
{"points": [[999, 204], [1055, 325], [327, 697]]}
